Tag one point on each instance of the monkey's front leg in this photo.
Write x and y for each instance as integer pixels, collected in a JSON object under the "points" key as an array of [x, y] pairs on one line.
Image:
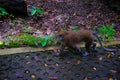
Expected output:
{"points": [[62, 49], [85, 53]]}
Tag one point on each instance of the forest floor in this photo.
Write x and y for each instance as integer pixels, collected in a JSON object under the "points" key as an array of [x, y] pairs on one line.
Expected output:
{"points": [[64, 14], [44, 65]]}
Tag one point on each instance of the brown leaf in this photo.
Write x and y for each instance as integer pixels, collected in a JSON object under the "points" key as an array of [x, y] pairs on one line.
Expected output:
{"points": [[48, 31], [28, 62], [109, 56], [78, 61], [33, 76], [94, 68], [74, 14], [100, 58], [68, 62], [110, 78], [113, 71], [89, 15], [56, 64], [85, 78], [53, 78], [45, 65]]}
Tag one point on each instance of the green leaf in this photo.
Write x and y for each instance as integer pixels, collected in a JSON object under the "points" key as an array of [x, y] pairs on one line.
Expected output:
{"points": [[39, 10], [107, 32], [43, 42], [3, 12], [33, 12], [75, 28]]}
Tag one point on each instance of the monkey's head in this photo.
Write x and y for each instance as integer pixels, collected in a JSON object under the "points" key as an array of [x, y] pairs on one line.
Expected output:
{"points": [[60, 35]]}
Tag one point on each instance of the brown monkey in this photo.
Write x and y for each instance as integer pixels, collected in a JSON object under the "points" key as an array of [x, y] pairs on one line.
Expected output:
{"points": [[72, 39]]}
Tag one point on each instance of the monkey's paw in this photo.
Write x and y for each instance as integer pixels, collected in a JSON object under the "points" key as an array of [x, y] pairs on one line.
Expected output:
{"points": [[85, 54], [56, 54]]}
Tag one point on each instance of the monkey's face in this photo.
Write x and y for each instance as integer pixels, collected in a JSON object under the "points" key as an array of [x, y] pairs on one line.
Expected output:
{"points": [[59, 37]]}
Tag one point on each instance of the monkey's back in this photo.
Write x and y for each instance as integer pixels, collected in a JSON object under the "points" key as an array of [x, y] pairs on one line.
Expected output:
{"points": [[79, 36]]}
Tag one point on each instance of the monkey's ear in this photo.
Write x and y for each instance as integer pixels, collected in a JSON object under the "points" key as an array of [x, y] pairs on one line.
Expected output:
{"points": [[60, 30]]}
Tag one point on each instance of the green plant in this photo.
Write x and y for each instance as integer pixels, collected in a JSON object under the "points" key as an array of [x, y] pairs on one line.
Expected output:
{"points": [[3, 12], [2, 43], [36, 11], [22, 40], [10, 42], [45, 41], [75, 28], [26, 39], [27, 28], [107, 33]]}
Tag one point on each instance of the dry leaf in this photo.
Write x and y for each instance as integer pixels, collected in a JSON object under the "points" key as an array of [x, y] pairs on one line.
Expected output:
{"points": [[53, 78], [113, 71], [28, 62], [94, 68], [85, 78], [78, 61], [110, 78], [68, 62], [109, 55], [48, 31], [56, 64], [100, 58], [33, 76], [45, 65], [74, 14]]}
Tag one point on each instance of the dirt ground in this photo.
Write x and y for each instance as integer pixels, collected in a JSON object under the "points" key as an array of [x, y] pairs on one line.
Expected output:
{"points": [[85, 14]]}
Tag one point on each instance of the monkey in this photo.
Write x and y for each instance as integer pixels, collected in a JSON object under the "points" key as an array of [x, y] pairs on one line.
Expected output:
{"points": [[72, 39]]}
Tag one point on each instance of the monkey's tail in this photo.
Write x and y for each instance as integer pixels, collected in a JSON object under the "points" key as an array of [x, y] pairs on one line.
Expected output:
{"points": [[106, 49]]}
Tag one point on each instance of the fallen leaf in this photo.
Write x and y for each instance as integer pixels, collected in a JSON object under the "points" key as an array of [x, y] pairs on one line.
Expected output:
{"points": [[109, 55], [48, 31], [85, 78], [74, 14], [113, 71], [89, 15], [45, 65], [56, 64], [110, 78], [53, 78], [94, 68], [68, 62], [28, 62], [100, 58], [78, 61], [33, 76]]}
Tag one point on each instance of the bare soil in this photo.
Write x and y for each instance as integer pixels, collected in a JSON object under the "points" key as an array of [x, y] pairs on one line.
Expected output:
{"points": [[85, 14]]}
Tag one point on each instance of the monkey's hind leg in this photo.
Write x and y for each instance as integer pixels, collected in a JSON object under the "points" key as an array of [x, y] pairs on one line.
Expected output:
{"points": [[80, 51], [88, 48]]}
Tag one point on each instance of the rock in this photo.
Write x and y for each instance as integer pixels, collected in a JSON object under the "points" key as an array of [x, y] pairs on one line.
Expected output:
{"points": [[15, 7]]}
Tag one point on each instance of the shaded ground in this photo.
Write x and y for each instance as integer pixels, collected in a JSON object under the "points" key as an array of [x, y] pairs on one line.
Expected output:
{"points": [[46, 66], [63, 14]]}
